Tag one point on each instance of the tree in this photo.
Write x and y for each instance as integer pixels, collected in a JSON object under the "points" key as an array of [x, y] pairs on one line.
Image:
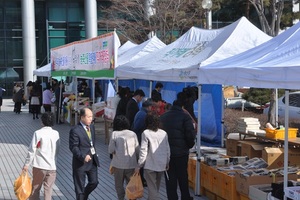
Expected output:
{"points": [[270, 24], [168, 19]]}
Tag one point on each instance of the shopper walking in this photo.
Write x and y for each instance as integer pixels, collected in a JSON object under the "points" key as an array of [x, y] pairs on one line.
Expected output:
{"points": [[42, 153]]}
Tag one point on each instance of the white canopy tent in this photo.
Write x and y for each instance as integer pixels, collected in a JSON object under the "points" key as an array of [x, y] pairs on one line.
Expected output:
{"points": [[43, 71], [179, 61], [274, 64], [149, 46], [125, 47]]}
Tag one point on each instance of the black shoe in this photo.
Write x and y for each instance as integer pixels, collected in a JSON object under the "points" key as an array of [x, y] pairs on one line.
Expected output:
{"points": [[37, 117], [33, 117]]}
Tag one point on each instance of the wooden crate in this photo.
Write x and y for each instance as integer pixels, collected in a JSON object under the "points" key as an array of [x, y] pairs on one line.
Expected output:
{"points": [[210, 195], [216, 181], [192, 172], [228, 187], [206, 176], [243, 197]]}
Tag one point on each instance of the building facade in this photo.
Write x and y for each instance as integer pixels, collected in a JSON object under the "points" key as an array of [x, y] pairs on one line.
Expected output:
{"points": [[30, 28]]}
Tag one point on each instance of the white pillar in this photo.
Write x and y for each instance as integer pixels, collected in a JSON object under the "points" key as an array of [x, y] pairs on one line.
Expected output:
{"points": [[209, 19], [29, 44], [90, 15]]}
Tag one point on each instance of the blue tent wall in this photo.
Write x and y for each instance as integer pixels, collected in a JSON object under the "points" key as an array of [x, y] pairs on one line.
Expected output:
{"points": [[212, 115], [211, 104]]}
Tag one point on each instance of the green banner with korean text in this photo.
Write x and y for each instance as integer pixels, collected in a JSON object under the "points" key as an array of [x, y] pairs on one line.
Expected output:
{"points": [[93, 58]]}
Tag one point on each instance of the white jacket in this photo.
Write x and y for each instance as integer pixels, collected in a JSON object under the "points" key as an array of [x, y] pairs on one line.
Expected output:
{"points": [[43, 149]]}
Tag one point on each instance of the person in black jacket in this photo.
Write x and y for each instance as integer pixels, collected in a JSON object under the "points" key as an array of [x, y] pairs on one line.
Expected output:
{"points": [[132, 106], [155, 94], [181, 135]]}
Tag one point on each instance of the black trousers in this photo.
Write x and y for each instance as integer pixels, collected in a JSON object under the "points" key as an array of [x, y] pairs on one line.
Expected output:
{"points": [[79, 174], [178, 174]]}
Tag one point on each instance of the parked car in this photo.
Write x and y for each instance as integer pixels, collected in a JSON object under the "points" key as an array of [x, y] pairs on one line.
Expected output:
{"points": [[294, 106], [237, 102]]}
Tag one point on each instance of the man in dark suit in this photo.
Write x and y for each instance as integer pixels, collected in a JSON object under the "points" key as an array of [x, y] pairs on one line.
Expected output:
{"points": [[85, 160], [155, 94], [132, 106]]}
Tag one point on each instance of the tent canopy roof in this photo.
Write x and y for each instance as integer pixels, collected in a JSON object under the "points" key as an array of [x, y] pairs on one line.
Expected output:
{"points": [[149, 46], [43, 71], [273, 64], [179, 61]]}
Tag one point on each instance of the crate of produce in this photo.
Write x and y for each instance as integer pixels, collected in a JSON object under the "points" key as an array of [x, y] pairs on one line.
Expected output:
{"points": [[279, 133]]}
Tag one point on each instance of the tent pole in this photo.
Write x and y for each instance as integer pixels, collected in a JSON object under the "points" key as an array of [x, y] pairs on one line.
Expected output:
{"points": [[150, 89], [286, 142], [276, 107], [76, 100], [198, 140], [222, 122]]}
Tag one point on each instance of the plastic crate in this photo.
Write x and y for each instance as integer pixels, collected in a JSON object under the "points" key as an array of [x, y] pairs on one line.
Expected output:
{"points": [[279, 133]]}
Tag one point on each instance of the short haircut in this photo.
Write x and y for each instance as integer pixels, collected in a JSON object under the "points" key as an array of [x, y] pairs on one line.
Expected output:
{"points": [[82, 112], [48, 119], [139, 92], [152, 122], [121, 123], [159, 85]]}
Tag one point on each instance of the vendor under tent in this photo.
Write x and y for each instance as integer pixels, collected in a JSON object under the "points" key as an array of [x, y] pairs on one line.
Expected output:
{"points": [[273, 64], [179, 61]]}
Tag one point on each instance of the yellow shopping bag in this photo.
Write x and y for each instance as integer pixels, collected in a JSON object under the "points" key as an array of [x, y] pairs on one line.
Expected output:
{"points": [[22, 186], [135, 189]]}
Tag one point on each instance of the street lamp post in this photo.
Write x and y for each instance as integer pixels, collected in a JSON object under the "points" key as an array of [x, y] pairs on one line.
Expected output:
{"points": [[207, 4]]}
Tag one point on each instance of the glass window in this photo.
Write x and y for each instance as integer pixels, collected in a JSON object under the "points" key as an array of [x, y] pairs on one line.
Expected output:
{"points": [[2, 31], [294, 100], [14, 49], [13, 14], [57, 11], [14, 33], [55, 42], [55, 33], [40, 12], [1, 15], [75, 12], [2, 52], [57, 25]]}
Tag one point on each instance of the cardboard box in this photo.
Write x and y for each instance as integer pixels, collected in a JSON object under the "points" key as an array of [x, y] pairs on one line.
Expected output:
{"points": [[260, 192], [243, 183], [253, 148], [275, 157], [232, 147]]}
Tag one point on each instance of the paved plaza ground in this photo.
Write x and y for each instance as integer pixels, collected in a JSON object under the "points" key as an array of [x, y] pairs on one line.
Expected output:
{"points": [[16, 132]]}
